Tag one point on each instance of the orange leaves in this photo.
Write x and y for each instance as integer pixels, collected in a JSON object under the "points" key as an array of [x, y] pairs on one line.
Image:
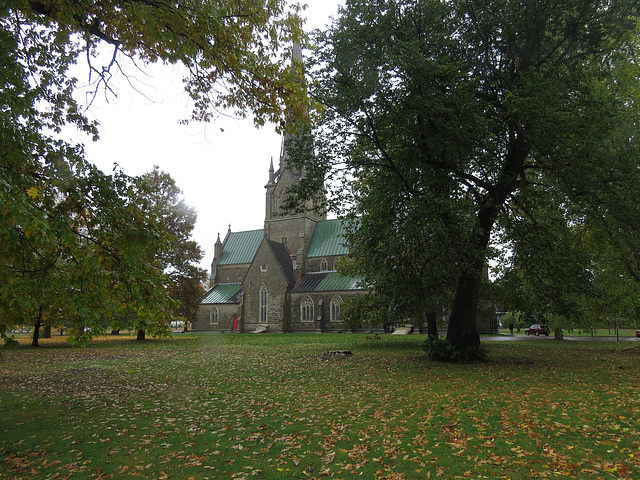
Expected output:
{"points": [[456, 439], [359, 455], [20, 463]]}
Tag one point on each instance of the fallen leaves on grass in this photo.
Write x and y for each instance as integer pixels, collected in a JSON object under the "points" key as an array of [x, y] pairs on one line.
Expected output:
{"points": [[242, 407]]}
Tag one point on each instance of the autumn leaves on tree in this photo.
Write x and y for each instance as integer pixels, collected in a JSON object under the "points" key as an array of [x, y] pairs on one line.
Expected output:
{"points": [[80, 246]]}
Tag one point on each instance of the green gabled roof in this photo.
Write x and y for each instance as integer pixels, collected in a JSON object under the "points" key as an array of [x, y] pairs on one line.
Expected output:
{"points": [[241, 247], [222, 293], [334, 281], [328, 239]]}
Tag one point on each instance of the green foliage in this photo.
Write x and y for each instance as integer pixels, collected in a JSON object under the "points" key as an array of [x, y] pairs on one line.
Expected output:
{"points": [[80, 246], [234, 53], [179, 258], [442, 350], [10, 342], [80, 337], [364, 309], [452, 128], [81, 249]]}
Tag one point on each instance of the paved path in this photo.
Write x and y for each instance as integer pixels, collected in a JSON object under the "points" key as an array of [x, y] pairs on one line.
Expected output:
{"points": [[533, 338]]}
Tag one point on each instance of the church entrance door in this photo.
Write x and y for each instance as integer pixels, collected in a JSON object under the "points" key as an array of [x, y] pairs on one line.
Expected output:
{"points": [[234, 322]]}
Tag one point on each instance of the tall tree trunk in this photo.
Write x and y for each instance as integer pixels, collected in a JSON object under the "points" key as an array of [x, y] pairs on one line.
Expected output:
{"points": [[36, 333], [462, 331], [432, 324], [141, 336]]}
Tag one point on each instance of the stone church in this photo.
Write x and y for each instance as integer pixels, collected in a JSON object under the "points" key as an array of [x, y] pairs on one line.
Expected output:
{"points": [[281, 278]]}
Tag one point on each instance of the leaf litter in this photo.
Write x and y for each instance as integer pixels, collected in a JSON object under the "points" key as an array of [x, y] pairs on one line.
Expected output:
{"points": [[248, 407]]}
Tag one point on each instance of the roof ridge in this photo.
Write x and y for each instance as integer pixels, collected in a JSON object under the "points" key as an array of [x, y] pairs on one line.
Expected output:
{"points": [[282, 255], [248, 231]]}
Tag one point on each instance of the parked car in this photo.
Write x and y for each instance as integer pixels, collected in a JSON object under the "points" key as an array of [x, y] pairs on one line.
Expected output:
{"points": [[637, 333], [538, 330]]}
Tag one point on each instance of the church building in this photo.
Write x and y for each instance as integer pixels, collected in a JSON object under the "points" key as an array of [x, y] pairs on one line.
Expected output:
{"points": [[281, 278]]}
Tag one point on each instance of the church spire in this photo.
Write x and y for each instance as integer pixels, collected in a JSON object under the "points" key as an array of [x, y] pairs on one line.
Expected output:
{"points": [[271, 173], [217, 249]]}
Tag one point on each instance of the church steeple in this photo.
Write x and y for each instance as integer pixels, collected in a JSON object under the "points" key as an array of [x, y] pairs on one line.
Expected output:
{"points": [[271, 174], [217, 255], [217, 249], [291, 228]]}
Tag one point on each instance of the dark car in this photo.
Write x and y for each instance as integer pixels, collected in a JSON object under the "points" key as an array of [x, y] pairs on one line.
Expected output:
{"points": [[538, 330], [637, 333]]}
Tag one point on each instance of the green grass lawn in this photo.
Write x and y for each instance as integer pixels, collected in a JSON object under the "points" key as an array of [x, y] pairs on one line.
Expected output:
{"points": [[267, 407]]}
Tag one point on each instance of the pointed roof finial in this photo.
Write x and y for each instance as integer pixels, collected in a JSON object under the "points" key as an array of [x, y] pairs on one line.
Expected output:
{"points": [[271, 173], [217, 250]]}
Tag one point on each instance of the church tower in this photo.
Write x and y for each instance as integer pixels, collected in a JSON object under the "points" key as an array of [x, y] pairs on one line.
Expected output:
{"points": [[293, 229], [217, 255]]}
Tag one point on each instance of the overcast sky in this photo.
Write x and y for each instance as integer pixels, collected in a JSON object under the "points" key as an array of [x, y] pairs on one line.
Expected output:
{"points": [[221, 166]]}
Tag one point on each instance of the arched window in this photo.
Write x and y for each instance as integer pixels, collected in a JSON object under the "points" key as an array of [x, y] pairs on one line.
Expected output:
{"points": [[213, 316], [264, 295], [306, 309], [285, 241], [324, 265], [334, 309]]}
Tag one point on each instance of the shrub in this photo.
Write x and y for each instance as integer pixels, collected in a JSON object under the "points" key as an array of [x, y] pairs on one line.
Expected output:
{"points": [[442, 350], [10, 342], [438, 348]]}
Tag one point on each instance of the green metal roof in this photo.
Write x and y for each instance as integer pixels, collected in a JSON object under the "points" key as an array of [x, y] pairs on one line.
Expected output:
{"points": [[334, 281], [241, 247], [222, 293], [328, 239]]}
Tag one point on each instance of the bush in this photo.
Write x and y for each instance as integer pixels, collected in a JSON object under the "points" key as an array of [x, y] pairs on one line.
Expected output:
{"points": [[442, 350], [439, 349], [10, 342]]}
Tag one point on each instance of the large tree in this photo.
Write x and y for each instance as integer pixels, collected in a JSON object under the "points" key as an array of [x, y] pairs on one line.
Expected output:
{"points": [[233, 52], [179, 258], [392, 247], [75, 241], [472, 109], [79, 247]]}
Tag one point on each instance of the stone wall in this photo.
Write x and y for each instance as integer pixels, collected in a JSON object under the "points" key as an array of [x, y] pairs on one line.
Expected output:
{"points": [[232, 273], [315, 264], [226, 313], [322, 313], [265, 270], [297, 230]]}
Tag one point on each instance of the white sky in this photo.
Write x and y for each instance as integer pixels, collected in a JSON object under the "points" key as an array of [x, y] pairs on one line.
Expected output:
{"points": [[221, 166]]}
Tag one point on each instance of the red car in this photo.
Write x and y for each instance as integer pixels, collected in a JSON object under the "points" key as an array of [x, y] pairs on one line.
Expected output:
{"points": [[538, 330], [637, 333]]}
